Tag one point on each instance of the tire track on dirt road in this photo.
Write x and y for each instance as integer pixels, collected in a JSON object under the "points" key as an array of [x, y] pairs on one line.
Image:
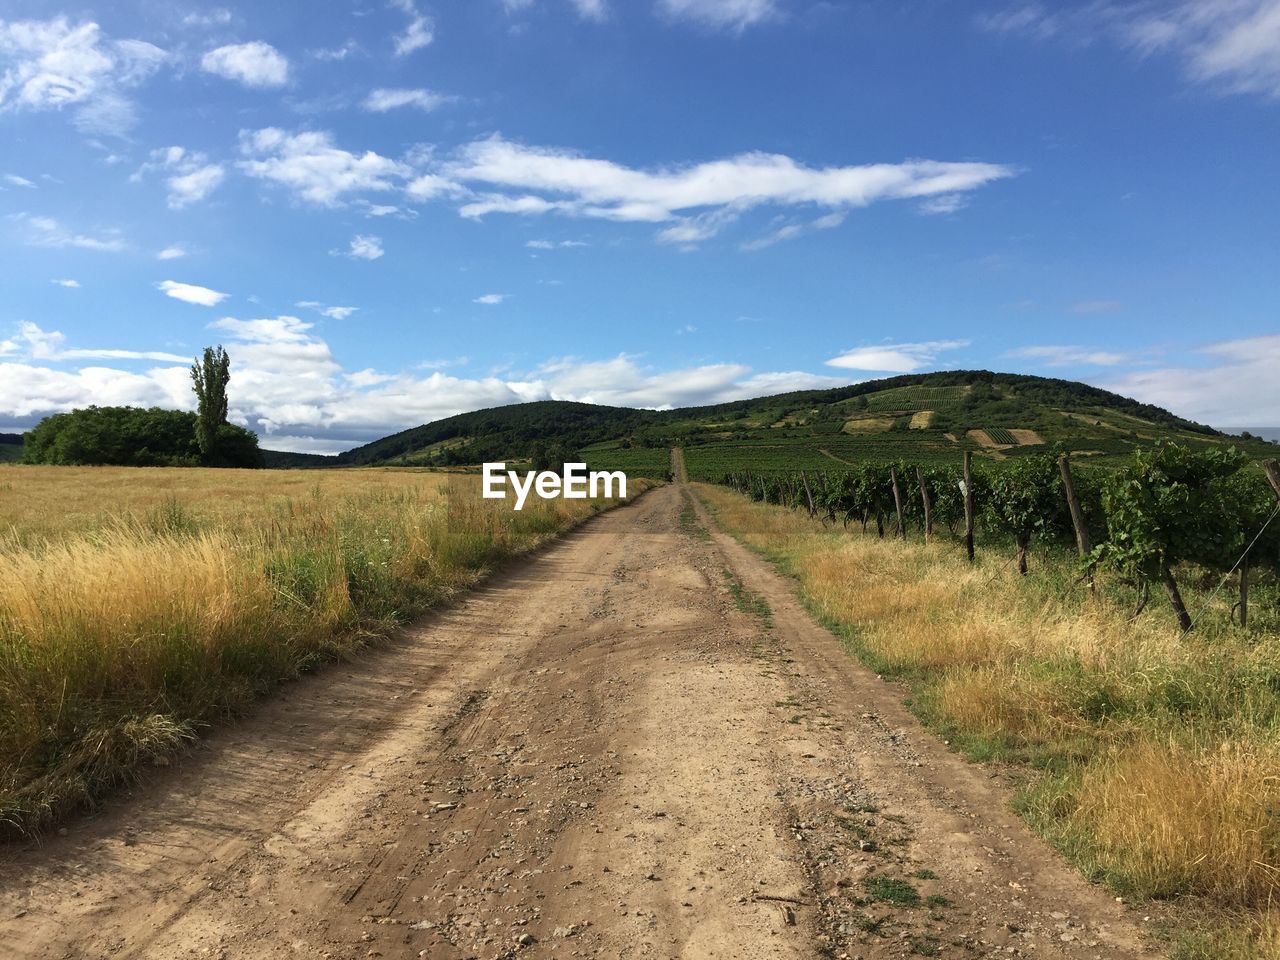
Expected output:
{"points": [[607, 751]]}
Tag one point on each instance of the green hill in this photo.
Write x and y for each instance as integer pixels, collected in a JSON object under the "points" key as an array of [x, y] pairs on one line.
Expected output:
{"points": [[919, 418]]}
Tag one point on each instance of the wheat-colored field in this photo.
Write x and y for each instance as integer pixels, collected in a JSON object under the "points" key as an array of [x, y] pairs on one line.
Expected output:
{"points": [[138, 604], [1156, 758]]}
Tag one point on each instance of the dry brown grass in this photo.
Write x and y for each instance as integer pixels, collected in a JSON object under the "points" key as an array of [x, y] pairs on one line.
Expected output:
{"points": [[39, 501], [1161, 769], [859, 425], [136, 604]]}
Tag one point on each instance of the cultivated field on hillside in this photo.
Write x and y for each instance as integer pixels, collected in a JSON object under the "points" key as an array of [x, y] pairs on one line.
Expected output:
{"points": [[1156, 753], [138, 604]]}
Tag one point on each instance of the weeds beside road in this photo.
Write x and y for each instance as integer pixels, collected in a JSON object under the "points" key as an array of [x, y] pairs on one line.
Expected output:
{"points": [[1157, 755], [138, 604]]}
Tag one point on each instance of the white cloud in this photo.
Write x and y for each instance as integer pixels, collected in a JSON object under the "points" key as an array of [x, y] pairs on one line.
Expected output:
{"points": [[419, 32], [1065, 356], [192, 178], [1230, 45], [173, 252], [51, 64], [287, 384], [553, 180], [317, 171], [491, 299], [384, 99], [48, 232], [69, 284], [254, 64], [726, 14], [190, 293], [16, 181], [1239, 387], [188, 188], [895, 357], [692, 202], [363, 246]]}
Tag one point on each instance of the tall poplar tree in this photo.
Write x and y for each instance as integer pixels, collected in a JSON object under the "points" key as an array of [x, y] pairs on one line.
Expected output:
{"points": [[209, 377]]}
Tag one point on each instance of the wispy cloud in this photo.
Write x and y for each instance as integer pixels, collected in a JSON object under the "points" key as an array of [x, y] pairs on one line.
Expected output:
{"points": [[383, 99], [191, 176], [698, 201], [491, 299], [1070, 356], [13, 180], [418, 33], [363, 246], [191, 293], [790, 231], [52, 64], [895, 357], [1232, 46], [555, 244], [1097, 306], [334, 54], [943, 205], [35, 343], [333, 313], [173, 252], [69, 284], [720, 14], [41, 231]]}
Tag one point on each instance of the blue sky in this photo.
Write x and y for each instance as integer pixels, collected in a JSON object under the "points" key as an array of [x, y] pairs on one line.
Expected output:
{"points": [[396, 211]]}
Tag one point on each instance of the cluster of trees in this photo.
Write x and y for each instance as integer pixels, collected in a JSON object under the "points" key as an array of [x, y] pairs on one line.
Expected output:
{"points": [[137, 437], [1169, 508]]}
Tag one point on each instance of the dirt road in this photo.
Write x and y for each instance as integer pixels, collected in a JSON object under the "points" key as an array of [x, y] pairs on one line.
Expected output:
{"points": [[634, 745]]}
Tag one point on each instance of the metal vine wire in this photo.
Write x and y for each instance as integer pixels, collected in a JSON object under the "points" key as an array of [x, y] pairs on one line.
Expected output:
{"points": [[1222, 583]]}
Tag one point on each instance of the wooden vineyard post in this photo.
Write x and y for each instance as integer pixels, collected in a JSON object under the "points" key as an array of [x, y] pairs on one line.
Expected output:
{"points": [[1272, 470], [1077, 515], [897, 501], [1244, 591], [1273, 474], [968, 503], [808, 495], [928, 505]]}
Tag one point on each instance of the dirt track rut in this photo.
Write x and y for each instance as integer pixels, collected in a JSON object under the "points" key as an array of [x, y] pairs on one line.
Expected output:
{"points": [[609, 751]]}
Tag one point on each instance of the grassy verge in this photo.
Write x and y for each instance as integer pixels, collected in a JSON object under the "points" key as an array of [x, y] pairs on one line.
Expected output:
{"points": [[1155, 759], [124, 634]]}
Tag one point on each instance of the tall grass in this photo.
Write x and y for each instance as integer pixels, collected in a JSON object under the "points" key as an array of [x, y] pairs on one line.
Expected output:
{"points": [[126, 630], [1157, 759]]}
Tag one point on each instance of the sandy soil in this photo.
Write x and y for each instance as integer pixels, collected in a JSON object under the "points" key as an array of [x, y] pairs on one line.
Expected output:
{"points": [[606, 752]]}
